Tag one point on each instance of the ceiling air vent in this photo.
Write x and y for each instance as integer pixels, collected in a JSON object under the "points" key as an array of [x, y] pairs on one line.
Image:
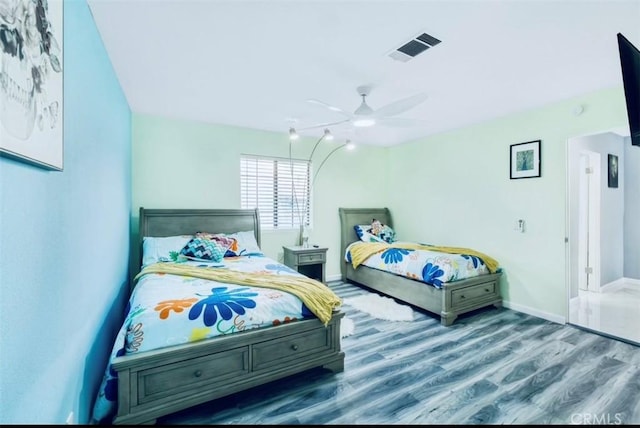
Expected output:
{"points": [[414, 47]]}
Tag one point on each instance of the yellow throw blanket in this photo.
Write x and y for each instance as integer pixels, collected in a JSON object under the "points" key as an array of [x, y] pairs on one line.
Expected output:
{"points": [[363, 250], [319, 298]]}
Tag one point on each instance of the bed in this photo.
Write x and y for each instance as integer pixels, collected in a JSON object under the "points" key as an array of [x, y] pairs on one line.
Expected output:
{"points": [[449, 300], [161, 380]]}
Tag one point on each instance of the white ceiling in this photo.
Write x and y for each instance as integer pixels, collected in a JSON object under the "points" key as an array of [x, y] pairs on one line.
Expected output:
{"points": [[256, 63]]}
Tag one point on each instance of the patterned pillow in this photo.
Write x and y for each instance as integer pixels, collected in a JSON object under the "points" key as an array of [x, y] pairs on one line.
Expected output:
{"points": [[203, 249], [364, 233], [224, 241], [382, 231], [235, 244]]}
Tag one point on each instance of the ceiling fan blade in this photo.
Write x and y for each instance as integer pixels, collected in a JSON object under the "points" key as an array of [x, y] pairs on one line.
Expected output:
{"points": [[329, 106], [400, 106], [323, 125], [399, 122]]}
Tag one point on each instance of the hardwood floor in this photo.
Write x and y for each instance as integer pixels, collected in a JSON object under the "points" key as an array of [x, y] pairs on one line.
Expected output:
{"points": [[493, 366]]}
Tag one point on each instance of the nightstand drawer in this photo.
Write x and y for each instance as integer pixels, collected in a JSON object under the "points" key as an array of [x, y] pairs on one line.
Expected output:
{"points": [[312, 342], [309, 261], [311, 258]]}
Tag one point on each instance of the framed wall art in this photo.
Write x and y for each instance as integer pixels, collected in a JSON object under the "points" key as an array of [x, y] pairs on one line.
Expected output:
{"points": [[31, 82], [525, 160], [613, 171]]}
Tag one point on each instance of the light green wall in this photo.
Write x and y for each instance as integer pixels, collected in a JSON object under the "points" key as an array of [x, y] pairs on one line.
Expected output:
{"points": [[456, 191], [185, 164], [450, 189]]}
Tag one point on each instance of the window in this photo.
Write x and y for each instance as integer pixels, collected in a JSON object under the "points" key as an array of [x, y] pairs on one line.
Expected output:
{"points": [[278, 187]]}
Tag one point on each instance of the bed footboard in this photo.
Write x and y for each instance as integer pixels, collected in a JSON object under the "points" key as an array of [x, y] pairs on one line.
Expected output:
{"points": [[161, 382]]}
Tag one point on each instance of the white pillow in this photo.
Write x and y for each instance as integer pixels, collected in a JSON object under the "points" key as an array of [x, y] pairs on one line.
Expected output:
{"points": [[158, 249], [246, 243]]}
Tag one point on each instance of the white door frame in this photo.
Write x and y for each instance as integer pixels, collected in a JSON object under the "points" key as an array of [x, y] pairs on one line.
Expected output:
{"points": [[571, 218], [569, 274]]}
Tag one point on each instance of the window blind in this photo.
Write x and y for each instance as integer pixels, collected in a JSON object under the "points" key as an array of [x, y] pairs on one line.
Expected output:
{"points": [[278, 187]]}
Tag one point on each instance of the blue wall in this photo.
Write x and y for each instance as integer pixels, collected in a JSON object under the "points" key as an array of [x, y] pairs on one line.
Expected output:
{"points": [[64, 244]]}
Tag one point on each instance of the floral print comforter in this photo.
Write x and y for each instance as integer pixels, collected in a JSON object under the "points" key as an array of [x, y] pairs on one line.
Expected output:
{"points": [[166, 310], [432, 267]]}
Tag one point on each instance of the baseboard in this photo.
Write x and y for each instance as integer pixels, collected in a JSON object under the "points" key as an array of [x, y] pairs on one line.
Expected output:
{"points": [[330, 278], [621, 281], [536, 313]]}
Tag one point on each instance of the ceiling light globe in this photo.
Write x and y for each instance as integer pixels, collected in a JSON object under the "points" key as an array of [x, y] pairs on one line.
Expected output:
{"points": [[363, 123]]}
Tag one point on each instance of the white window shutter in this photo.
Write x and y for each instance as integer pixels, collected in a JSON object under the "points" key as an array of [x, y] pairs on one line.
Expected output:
{"points": [[278, 187]]}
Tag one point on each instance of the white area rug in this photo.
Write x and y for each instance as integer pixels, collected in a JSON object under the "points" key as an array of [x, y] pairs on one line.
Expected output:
{"points": [[346, 327], [381, 307]]}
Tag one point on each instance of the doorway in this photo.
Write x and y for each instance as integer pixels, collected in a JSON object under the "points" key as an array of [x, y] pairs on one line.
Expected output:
{"points": [[601, 298]]}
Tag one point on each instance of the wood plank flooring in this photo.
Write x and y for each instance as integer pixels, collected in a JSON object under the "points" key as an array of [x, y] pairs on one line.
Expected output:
{"points": [[493, 366]]}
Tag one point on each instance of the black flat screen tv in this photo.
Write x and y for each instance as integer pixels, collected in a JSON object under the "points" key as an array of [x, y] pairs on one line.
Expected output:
{"points": [[630, 64]]}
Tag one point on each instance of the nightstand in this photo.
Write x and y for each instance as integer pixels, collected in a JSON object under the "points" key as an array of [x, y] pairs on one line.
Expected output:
{"points": [[308, 261]]}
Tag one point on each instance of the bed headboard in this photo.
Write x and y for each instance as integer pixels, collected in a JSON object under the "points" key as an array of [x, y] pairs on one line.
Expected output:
{"points": [[172, 222], [349, 217]]}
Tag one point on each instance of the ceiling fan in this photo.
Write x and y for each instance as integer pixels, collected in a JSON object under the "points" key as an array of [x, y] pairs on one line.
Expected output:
{"points": [[365, 116]]}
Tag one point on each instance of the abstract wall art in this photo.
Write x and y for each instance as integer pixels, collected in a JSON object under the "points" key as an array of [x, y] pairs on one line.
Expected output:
{"points": [[31, 82]]}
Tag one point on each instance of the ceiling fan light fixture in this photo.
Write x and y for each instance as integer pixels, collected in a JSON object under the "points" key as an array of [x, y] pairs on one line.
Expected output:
{"points": [[363, 110], [364, 122], [293, 135]]}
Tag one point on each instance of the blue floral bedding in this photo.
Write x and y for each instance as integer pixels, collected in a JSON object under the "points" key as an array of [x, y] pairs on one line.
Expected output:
{"points": [[166, 310], [432, 267]]}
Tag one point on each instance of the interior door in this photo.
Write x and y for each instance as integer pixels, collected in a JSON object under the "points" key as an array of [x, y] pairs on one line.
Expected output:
{"points": [[583, 223], [589, 222]]}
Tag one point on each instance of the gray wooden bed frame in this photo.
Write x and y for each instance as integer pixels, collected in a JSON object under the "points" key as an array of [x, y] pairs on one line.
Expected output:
{"points": [[453, 299], [159, 382]]}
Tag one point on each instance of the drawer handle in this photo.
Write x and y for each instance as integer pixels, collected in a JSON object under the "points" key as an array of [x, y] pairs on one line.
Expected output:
{"points": [[294, 347], [198, 373], [462, 296], [486, 290]]}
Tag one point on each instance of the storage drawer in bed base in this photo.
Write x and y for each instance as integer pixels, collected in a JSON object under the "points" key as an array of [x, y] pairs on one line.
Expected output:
{"points": [[165, 381], [465, 296]]}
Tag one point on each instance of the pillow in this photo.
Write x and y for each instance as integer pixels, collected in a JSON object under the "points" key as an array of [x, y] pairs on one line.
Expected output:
{"points": [[203, 249], [159, 249], [223, 241], [364, 233], [382, 231], [245, 244]]}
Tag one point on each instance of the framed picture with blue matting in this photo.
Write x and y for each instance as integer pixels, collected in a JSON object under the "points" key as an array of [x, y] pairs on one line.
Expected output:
{"points": [[525, 160]]}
